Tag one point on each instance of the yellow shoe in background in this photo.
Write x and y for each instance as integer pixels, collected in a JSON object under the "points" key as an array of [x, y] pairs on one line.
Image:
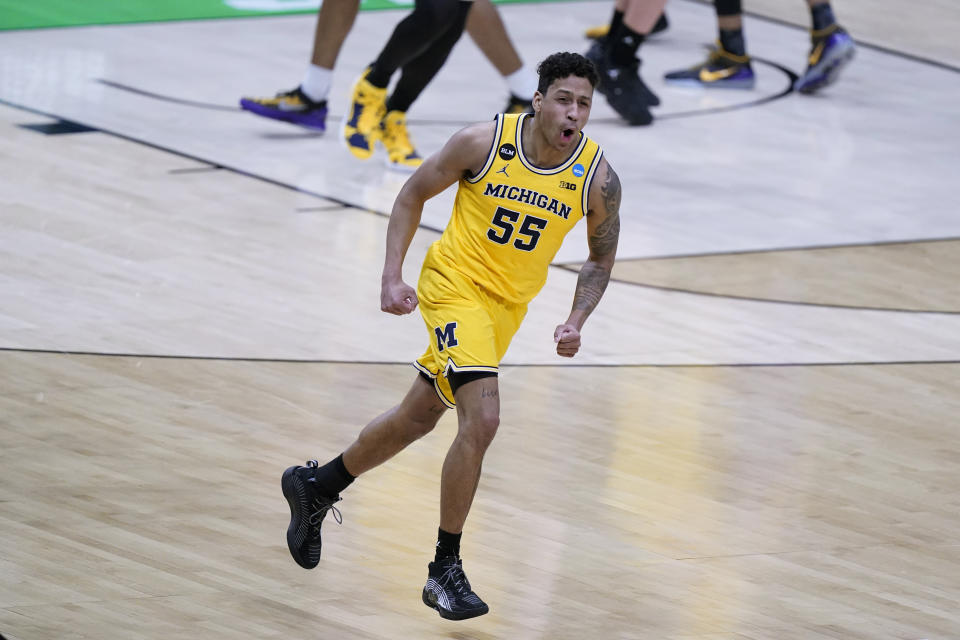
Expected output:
{"points": [[368, 104], [597, 32], [395, 137]]}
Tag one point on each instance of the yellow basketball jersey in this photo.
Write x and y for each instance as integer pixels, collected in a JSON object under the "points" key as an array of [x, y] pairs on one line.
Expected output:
{"points": [[510, 219]]}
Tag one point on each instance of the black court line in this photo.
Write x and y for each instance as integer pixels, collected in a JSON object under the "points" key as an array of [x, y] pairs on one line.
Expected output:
{"points": [[793, 303], [382, 214], [818, 247], [165, 98], [503, 365], [791, 77], [572, 267], [236, 170], [859, 43], [58, 128], [196, 170], [329, 207]]}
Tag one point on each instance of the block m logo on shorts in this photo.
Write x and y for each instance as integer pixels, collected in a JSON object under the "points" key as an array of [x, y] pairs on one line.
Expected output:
{"points": [[446, 337]]}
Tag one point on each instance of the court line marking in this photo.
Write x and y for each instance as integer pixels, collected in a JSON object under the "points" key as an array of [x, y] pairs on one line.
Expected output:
{"points": [[347, 205], [860, 43], [503, 365], [791, 77]]}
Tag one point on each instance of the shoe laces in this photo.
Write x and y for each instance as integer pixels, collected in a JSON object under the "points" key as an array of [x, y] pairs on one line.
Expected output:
{"points": [[373, 108], [319, 508], [294, 95], [320, 505], [455, 576], [395, 135]]}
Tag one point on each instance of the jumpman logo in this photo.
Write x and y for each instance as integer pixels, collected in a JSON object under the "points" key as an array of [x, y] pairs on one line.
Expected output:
{"points": [[503, 170]]}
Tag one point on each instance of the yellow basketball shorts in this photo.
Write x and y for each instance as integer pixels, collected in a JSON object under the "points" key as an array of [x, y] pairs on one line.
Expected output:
{"points": [[469, 328]]}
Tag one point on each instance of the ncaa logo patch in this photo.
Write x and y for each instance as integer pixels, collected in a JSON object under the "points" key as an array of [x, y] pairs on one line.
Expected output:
{"points": [[578, 170], [507, 151]]}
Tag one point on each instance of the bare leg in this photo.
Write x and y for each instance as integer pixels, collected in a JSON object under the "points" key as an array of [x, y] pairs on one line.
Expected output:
{"points": [[478, 413], [641, 15], [388, 434], [334, 21], [730, 23], [487, 30]]}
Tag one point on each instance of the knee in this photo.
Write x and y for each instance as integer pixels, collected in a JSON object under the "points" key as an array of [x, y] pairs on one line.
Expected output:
{"points": [[417, 426], [480, 430]]}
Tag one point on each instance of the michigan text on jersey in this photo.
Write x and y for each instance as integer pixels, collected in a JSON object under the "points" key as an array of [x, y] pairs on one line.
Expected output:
{"points": [[529, 196]]}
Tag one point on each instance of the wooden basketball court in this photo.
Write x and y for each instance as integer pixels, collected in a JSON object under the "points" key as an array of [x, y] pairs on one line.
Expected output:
{"points": [[757, 441]]}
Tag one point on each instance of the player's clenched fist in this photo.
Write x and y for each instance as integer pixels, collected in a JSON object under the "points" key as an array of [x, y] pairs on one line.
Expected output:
{"points": [[568, 340]]}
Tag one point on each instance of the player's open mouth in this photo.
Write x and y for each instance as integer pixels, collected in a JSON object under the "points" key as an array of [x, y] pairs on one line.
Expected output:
{"points": [[567, 134]]}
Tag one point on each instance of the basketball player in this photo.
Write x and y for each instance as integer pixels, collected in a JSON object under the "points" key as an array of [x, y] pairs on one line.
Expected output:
{"points": [[728, 65], [524, 181], [306, 105]]}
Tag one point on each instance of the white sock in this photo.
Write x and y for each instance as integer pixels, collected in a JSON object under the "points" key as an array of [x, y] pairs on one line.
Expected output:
{"points": [[522, 83], [316, 84]]}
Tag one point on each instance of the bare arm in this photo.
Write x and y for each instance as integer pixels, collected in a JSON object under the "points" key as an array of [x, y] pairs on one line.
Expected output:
{"points": [[465, 151], [603, 232]]}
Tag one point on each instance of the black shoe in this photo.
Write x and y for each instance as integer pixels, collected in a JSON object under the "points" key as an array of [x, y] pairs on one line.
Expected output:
{"points": [[606, 68], [516, 104], [662, 24], [625, 91], [307, 510], [600, 32], [448, 591]]}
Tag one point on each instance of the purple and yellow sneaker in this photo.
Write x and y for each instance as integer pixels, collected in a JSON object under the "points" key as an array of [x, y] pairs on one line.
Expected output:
{"points": [[832, 49], [290, 106], [721, 69]]}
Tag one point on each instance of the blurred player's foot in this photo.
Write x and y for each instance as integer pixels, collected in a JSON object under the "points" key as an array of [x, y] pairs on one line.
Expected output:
{"points": [[448, 591], [601, 31], [307, 511], [290, 106], [831, 50], [516, 104], [621, 84], [395, 137], [662, 24], [597, 32], [721, 69], [610, 75], [361, 125]]}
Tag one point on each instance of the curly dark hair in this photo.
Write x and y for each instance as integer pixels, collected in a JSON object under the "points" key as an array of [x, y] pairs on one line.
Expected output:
{"points": [[563, 64]]}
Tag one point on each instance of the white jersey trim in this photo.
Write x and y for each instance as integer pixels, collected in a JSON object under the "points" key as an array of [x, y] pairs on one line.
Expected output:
{"points": [[491, 154]]}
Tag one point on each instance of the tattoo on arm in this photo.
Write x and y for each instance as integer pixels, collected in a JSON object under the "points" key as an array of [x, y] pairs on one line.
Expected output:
{"points": [[604, 238], [594, 276], [489, 393], [591, 284]]}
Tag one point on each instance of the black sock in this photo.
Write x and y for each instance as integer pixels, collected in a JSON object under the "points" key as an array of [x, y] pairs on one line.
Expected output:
{"points": [[333, 477], [615, 21], [448, 544], [822, 16], [732, 41], [623, 44]]}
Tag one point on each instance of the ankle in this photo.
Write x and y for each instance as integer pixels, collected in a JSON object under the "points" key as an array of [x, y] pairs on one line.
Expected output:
{"points": [[448, 544]]}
